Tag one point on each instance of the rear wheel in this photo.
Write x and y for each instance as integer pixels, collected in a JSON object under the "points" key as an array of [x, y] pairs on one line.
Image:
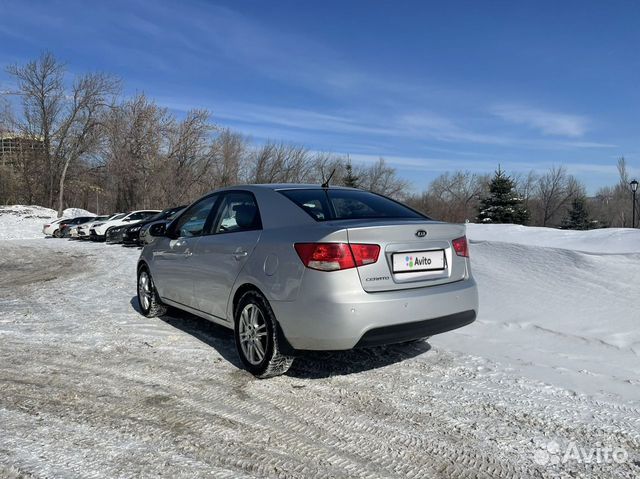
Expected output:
{"points": [[56, 234], [148, 298], [256, 337]]}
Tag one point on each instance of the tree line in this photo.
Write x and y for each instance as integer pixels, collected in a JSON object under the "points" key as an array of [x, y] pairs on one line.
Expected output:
{"points": [[104, 152]]}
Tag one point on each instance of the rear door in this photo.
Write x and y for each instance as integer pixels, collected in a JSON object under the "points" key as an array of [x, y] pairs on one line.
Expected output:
{"points": [[173, 255], [221, 254]]}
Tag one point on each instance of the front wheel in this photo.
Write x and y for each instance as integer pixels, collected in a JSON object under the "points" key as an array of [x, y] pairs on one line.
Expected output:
{"points": [[256, 337], [148, 299]]}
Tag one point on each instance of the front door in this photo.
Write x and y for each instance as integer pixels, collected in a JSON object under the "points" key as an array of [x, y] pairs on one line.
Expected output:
{"points": [[174, 256]]}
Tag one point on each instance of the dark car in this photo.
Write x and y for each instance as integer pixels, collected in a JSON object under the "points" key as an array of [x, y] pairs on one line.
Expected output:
{"points": [[114, 235], [63, 230], [131, 235]]}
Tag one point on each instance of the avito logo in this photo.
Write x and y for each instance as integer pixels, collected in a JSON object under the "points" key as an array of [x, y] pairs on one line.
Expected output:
{"points": [[410, 261]]}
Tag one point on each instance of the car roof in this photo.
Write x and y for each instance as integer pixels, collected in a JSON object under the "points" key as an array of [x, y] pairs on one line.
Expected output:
{"points": [[283, 186]]}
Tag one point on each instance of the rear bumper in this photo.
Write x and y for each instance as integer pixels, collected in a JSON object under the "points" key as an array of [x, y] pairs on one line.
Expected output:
{"points": [[355, 318], [399, 333]]}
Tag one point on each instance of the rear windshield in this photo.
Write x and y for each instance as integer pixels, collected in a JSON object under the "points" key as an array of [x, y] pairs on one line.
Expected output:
{"points": [[337, 204]]}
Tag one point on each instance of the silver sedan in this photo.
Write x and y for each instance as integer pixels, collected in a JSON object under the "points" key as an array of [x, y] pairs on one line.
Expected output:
{"points": [[301, 267]]}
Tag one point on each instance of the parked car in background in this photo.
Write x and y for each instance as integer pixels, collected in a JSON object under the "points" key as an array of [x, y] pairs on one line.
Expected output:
{"points": [[98, 231], [85, 228], [131, 234], [65, 225], [53, 228], [72, 231], [114, 235], [302, 267]]}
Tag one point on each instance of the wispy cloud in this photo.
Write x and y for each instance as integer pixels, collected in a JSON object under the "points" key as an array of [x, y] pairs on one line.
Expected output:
{"points": [[546, 122]]}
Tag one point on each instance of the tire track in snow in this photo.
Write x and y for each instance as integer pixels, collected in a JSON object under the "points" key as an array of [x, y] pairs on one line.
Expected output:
{"points": [[125, 396]]}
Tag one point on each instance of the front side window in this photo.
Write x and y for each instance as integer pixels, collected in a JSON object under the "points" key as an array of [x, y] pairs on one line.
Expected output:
{"points": [[192, 221], [238, 212]]}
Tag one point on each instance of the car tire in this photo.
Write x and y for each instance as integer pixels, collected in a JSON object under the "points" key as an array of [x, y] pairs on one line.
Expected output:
{"points": [[148, 299], [56, 234], [255, 332]]}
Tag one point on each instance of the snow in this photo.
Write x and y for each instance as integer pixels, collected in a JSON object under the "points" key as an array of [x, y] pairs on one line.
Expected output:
{"points": [[605, 241], [91, 387], [74, 212], [563, 316], [26, 222]]}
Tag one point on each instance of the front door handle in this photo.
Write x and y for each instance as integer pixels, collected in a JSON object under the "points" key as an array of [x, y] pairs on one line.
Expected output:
{"points": [[239, 254]]}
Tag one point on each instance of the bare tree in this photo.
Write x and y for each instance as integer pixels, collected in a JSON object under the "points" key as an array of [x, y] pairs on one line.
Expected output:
{"points": [[555, 190], [134, 153], [229, 153], [65, 121], [280, 163], [382, 178], [452, 196], [190, 156]]}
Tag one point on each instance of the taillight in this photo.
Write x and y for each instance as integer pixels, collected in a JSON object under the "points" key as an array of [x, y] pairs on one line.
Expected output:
{"points": [[325, 256], [365, 253], [336, 256], [461, 246]]}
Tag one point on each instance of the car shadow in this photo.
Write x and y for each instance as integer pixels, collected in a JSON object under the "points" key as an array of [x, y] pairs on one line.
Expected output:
{"points": [[323, 364], [308, 364], [212, 334]]}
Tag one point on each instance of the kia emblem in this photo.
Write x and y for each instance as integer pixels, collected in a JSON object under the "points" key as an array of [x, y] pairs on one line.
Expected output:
{"points": [[421, 233]]}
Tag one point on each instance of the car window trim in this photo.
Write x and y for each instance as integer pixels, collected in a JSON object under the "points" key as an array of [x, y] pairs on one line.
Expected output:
{"points": [[332, 208]]}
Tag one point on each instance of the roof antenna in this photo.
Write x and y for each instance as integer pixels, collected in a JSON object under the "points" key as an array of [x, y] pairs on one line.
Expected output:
{"points": [[326, 182]]}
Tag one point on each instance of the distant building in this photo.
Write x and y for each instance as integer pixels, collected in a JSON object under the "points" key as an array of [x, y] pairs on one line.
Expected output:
{"points": [[15, 149]]}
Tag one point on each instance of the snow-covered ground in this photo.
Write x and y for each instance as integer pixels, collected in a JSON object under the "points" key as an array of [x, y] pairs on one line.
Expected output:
{"points": [[89, 387], [25, 222]]}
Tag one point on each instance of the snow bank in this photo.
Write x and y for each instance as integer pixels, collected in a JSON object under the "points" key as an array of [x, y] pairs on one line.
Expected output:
{"points": [[609, 240], [26, 222], [73, 212], [569, 317]]}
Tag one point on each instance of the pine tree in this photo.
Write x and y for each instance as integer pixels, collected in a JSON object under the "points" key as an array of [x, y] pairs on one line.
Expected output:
{"points": [[350, 179], [578, 216], [503, 205]]}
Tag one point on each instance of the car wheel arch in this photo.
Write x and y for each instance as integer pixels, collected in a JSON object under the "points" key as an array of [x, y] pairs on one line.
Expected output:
{"points": [[242, 289]]}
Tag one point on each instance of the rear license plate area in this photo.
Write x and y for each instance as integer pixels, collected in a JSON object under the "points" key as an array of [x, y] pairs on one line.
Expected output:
{"points": [[419, 261]]}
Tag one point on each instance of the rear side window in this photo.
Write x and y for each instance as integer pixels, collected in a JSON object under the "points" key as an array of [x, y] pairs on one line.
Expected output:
{"points": [[337, 204]]}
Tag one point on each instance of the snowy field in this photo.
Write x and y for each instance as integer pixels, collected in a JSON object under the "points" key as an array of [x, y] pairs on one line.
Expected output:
{"points": [[90, 388]]}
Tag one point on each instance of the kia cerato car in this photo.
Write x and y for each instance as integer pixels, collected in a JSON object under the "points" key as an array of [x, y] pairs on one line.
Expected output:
{"points": [[302, 267]]}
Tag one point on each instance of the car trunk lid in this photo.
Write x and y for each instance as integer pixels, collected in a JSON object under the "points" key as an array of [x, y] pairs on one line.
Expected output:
{"points": [[413, 254]]}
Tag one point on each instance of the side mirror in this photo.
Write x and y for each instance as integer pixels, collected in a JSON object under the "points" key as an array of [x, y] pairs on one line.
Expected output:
{"points": [[158, 229]]}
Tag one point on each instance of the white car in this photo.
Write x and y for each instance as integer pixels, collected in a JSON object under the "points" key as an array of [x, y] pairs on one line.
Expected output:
{"points": [[84, 229], [74, 231], [98, 231], [53, 228]]}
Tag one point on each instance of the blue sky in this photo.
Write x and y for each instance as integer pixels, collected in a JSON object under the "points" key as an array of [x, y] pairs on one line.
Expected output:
{"points": [[430, 86]]}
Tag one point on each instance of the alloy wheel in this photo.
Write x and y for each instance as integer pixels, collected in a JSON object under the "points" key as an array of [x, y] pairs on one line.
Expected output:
{"points": [[144, 290], [253, 334]]}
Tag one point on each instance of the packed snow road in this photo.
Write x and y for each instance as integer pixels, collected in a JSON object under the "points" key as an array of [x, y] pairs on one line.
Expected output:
{"points": [[90, 388]]}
